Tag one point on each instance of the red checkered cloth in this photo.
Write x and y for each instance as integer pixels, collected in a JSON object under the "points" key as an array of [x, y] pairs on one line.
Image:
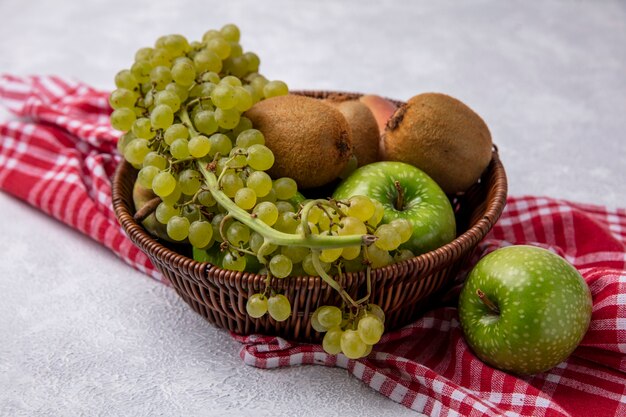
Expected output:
{"points": [[59, 156]]}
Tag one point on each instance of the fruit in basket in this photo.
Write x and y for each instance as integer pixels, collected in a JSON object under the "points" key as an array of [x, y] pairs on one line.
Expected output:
{"points": [[441, 136], [381, 108], [310, 140], [363, 126], [405, 193], [141, 197], [524, 309]]}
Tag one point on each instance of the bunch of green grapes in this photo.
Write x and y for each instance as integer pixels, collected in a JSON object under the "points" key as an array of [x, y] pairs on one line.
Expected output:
{"points": [[180, 106]]}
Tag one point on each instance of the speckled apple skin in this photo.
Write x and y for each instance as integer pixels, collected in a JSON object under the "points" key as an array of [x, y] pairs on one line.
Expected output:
{"points": [[545, 309], [426, 206]]}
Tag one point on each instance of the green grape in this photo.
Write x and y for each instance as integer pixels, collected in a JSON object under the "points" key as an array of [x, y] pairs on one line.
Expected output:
{"points": [[231, 81], [233, 262], [285, 206], [307, 265], [121, 98], [178, 228], [168, 98], [351, 252], [125, 79], [136, 150], [189, 181], [180, 149], [266, 212], [286, 222], [259, 82], [122, 119], [141, 70], [315, 214], [379, 212], [227, 119], [329, 316], [275, 88], [171, 198], [146, 175], [205, 122], [160, 77], [388, 237], [235, 50], [220, 46], [245, 198], [332, 341], [206, 60], [351, 226], [279, 307], [142, 128], [143, 54], [210, 34], [179, 90], [403, 255], [403, 227], [238, 233], [237, 66], [252, 61], [376, 311], [370, 329], [200, 233], [260, 182], [210, 77], [123, 141], [330, 255], [161, 117], [164, 212], [184, 73], [175, 131], [361, 207], [378, 257], [199, 146], [250, 137], [316, 324], [237, 158], [230, 32], [256, 306], [163, 184], [244, 99], [223, 96], [155, 159], [295, 253], [160, 58], [280, 266], [231, 183], [220, 143], [215, 224], [206, 198], [176, 45], [351, 344], [256, 96], [285, 188], [260, 157]]}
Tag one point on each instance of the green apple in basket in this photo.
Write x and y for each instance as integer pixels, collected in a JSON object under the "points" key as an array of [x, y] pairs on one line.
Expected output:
{"points": [[524, 309]]}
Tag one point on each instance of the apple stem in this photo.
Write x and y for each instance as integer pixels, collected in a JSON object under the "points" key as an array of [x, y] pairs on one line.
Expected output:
{"points": [[147, 209], [400, 196], [487, 301]]}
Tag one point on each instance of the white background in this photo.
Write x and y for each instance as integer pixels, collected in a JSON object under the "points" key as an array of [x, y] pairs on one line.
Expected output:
{"points": [[83, 334]]}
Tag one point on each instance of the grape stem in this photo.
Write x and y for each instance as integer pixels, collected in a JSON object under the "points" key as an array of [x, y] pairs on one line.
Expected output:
{"points": [[315, 257], [272, 235]]}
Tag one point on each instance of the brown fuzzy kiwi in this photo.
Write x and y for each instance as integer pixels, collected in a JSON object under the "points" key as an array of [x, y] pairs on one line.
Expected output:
{"points": [[441, 136], [310, 139], [365, 133]]}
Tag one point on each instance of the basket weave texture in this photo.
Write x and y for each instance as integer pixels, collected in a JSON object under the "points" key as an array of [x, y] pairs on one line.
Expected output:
{"points": [[403, 290]]}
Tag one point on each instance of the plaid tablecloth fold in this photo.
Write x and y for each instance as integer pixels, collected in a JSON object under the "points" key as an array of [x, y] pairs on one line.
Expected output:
{"points": [[59, 155]]}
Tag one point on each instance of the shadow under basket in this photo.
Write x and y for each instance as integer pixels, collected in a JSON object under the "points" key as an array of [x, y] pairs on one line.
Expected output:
{"points": [[403, 290]]}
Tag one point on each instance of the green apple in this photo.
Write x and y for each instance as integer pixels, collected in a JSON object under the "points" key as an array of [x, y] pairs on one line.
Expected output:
{"points": [[524, 309], [406, 192]]}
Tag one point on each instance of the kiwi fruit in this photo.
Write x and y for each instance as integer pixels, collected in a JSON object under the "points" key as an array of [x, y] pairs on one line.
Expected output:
{"points": [[441, 136], [365, 132], [310, 139]]}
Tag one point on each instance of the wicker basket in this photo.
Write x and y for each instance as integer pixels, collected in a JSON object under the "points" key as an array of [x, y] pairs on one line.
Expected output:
{"points": [[402, 290]]}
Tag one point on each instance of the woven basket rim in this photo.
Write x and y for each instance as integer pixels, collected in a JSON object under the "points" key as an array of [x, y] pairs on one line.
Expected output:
{"points": [[428, 261]]}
